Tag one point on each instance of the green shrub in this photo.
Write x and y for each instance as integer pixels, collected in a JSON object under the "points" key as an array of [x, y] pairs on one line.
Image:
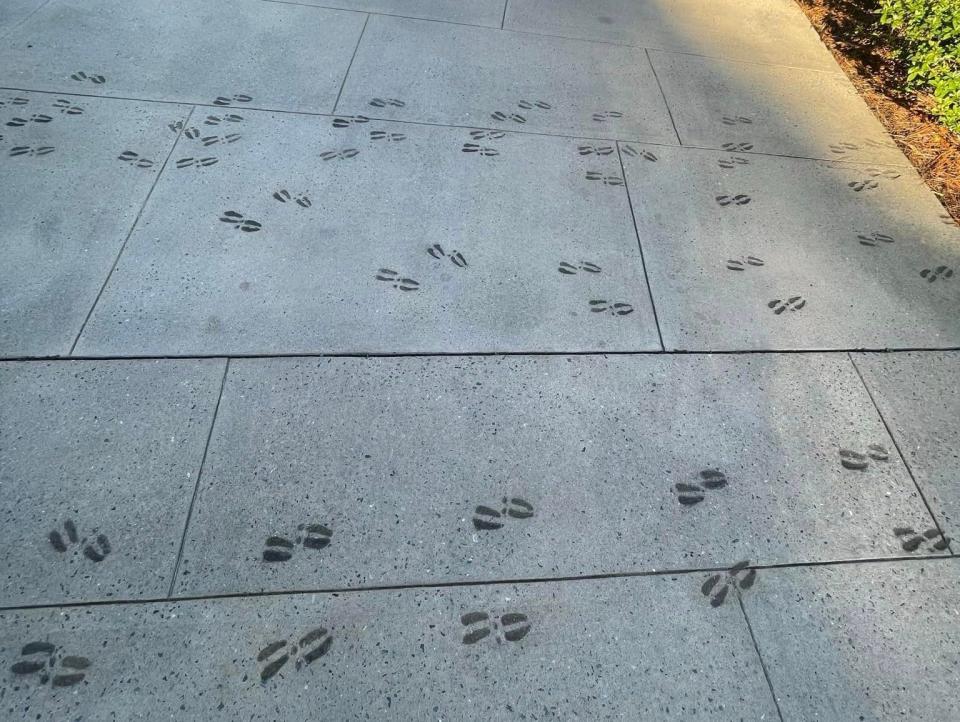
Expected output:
{"points": [[930, 33]]}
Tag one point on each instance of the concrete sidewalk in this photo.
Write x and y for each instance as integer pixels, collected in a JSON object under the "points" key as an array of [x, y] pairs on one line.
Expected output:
{"points": [[512, 359]]}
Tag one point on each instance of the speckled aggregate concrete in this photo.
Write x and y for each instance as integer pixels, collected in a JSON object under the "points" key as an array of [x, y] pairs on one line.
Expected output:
{"points": [[430, 360]]}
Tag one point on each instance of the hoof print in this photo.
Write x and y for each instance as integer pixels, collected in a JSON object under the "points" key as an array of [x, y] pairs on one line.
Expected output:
{"points": [[218, 119], [396, 280], [339, 154], [35, 118], [594, 149], [27, 150], [718, 586], [80, 76], [571, 269], [741, 264], [857, 461], [284, 196], [384, 102], [501, 117], [308, 536], [43, 661], [794, 303], [309, 648], [486, 518], [492, 134], [738, 147], [134, 159], [642, 153], [509, 627], [932, 274], [691, 494], [238, 221], [231, 99], [607, 180], [384, 135], [911, 540], [531, 104], [347, 120], [196, 162], [732, 162], [874, 239], [604, 115], [215, 139], [96, 549], [739, 200], [456, 258], [614, 309], [479, 149], [736, 120]]}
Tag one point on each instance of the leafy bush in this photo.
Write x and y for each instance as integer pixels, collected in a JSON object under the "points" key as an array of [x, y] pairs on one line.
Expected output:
{"points": [[930, 33]]}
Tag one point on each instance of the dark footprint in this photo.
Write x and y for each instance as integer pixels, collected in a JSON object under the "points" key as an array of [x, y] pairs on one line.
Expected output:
{"points": [[932, 274], [284, 196], [27, 150], [347, 120], [741, 264], [95, 550], [394, 278], [13, 100], [710, 480], [642, 153], [486, 518], [456, 258], [384, 135], [214, 139], [515, 117], [850, 459], [864, 185], [340, 154], [191, 133], [310, 536], [615, 309], [134, 159], [492, 134], [531, 104], [571, 269], [595, 149], [732, 162], [873, 239], [736, 120], [608, 180], [41, 659], [510, 627], [384, 102], [35, 118], [95, 79], [239, 222], [740, 200], [912, 540], [605, 115], [230, 100], [794, 303], [197, 162], [737, 147], [218, 119], [311, 646], [717, 586], [479, 149]]}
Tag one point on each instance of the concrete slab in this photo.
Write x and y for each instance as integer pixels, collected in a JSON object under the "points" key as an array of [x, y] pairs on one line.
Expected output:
{"points": [[479, 12], [197, 51], [582, 650], [862, 642], [70, 201], [403, 465], [785, 111], [459, 75], [98, 463], [377, 237], [917, 395], [13, 12], [768, 31], [848, 253]]}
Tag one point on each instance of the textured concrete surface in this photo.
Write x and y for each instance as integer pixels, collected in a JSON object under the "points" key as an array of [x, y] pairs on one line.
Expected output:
{"points": [[367, 359]]}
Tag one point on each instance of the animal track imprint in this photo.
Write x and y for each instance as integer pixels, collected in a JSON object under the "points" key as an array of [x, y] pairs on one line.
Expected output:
{"points": [[81, 77], [396, 280], [738, 200], [27, 150], [794, 303], [384, 102], [348, 120], [492, 134], [718, 586], [310, 647], [35, 118], [710, 480], [607, 180], [501, 117], [911, 540], [874, 239], [197, 162], [614, 309], [135, 159], [603, 116], [231, 99], [43, 660], [456, 258], [384, 135], [509, 627], [736, 120], [531, 104], [737, 147], [732, 162], [642, 153], [238, 221], [218, 119], [309, 536], [486, 518], [67, 108], [284, 196], [571, 269], [479, 149], [850, 459], [741, 264], [95, 550], [932, 274], [339, 154]]}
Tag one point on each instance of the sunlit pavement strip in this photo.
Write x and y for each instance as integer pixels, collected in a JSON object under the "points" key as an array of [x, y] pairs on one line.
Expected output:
{"points": [[593, 526]]}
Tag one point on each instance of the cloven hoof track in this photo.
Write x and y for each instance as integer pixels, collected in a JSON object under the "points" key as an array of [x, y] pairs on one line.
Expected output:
{"points": [[42, 659], [719, 585], [509, 627], [310, 647], [710, 480], [487, 518]]}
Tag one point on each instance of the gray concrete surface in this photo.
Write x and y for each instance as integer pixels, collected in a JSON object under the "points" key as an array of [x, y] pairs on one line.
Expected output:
{"points": [[366, 359]]}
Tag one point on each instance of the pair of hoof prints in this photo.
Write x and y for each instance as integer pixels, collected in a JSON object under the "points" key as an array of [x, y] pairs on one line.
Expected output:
{"points": [[309, 536], [850, 459], [96, 549], [486, 518], [303, 651], [597, 305], [718, 586], [404, 283], [911, 540], [691, 494], [508, 627], [45, 662]]}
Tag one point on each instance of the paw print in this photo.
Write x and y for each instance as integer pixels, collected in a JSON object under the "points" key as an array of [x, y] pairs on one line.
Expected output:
{"points": [[736, 120], [739, 200], [718, 586], [384, 102], [398, 282], [732, 162], [35, 118], [737, 147], [531, 104], [794, 303], [932, 274], [348, 120], [594, 149], [501, 117], [874, 239], [215, 139], [339, 154], [642, 153], [710, 480], [134, 159], [238, 221], [604, 115], [43, 660], [456, 258], [197, 162], [384, 135], [492, 134], [486, 518], [309, 536], [218, 119], [231, 99], [283, 196], [509, 627], [571, 269], [27, 150], [95, 550], [80, 76], [479, 149], [850, 459], [740, 264], [912, 540], [310, 647], [607, 180], [614, 309]]}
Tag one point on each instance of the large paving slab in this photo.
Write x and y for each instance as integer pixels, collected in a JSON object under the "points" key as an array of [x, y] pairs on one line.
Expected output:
{"points": [[918, 397], [98, 463], [780, 110], [860, 642], [476, 12], [244, 52], [403, 242], [763, 31], [390, 459], [592, 650], [854, 251], [69, 202], [13, 12], [457, 75]]}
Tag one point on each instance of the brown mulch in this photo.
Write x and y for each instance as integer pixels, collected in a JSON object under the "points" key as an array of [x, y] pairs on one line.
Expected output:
{"points": [[862, 48]]}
